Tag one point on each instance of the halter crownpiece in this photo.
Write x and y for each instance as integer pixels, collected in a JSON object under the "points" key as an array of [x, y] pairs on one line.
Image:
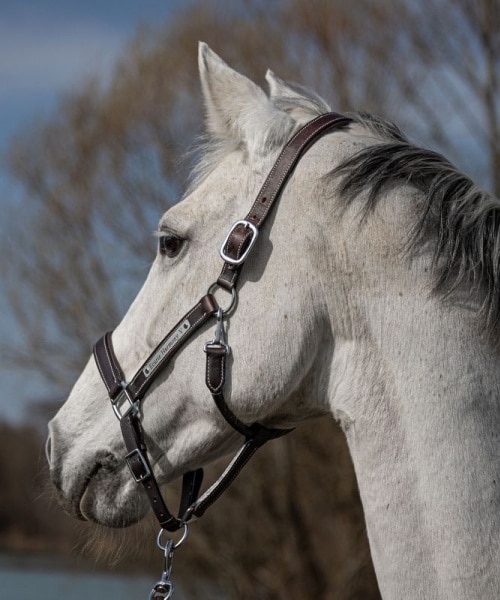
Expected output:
{"points": [[126, 396]]}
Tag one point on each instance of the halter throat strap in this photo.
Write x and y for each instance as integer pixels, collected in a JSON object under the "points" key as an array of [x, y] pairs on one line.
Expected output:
{"points": [[126, 396]]}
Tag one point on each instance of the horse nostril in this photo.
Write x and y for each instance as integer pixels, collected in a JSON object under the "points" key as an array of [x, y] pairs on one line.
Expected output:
{"points": [[48, 450]]}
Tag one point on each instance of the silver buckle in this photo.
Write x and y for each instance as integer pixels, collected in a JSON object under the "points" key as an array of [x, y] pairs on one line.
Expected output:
{"points": [[144, 465], [253, 239], [119, 401]]}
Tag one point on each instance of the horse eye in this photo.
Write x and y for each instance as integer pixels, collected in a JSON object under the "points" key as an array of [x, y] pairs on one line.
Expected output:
{"points": [[170, 245]]}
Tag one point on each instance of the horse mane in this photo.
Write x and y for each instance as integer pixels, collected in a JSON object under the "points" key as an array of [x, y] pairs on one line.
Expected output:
{"points": [[464, 219], [467, 219]]}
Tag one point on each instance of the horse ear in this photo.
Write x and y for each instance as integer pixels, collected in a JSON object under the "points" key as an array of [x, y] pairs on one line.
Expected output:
{"points": [[278, 88], [299, 102], [236, 107]]}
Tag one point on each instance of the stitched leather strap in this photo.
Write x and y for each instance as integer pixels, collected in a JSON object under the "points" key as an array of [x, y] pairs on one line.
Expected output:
{"points": [[121, 393], [215, 378], [108, 365], [111, 371], [214, 492], [241, 236], [138, 462], [171, 343]]}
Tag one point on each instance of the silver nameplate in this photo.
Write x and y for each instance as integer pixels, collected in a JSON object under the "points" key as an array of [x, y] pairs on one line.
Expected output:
{"points": [[165, 348]]}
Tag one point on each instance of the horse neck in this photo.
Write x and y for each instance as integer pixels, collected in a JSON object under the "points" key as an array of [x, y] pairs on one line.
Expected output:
{"points": [[417, 393]]}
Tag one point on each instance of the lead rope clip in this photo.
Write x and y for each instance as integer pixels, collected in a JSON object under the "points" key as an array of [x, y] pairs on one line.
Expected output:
{"points": [[219, 338], [164, 588]]}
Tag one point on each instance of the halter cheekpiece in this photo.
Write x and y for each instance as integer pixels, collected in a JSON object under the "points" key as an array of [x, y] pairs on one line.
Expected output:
{"points": [[126, 396]]}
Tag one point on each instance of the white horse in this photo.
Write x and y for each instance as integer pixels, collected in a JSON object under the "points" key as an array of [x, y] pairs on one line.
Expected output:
{"points": [[375, 297]]}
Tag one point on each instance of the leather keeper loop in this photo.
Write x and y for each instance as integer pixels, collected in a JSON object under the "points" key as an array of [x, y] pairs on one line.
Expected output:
{"points": [[216, 367]]}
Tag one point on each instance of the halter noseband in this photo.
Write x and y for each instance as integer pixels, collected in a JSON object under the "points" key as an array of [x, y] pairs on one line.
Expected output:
{"points": [[126, 396]]}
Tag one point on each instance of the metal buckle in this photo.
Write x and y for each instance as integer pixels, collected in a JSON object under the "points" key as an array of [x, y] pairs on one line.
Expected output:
{"points": [[253, 239], [144, 464], [117, 403]]}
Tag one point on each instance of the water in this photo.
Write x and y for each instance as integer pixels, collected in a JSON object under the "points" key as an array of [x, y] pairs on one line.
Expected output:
{"points": [[51, 578]]}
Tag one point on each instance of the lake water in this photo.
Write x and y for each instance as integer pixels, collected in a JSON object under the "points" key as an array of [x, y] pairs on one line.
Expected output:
{"points": [[49, 578]]}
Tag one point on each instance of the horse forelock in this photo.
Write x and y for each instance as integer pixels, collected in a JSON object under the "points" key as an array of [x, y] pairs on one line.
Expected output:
{"points": [[463, 219]]}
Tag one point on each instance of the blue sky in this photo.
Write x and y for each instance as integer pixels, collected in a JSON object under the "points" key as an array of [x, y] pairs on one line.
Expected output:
{"points": [[46, 48]]}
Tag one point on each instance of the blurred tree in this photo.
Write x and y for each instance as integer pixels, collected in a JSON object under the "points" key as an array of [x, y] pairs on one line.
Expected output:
{"points": [[27, 519], [451, 80], [100, 172]]}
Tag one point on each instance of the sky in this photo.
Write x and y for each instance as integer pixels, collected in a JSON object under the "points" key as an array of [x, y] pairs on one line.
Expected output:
{"points": [[46, 48]]}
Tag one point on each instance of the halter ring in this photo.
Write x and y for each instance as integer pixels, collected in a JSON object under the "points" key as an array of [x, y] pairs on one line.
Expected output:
{"points": [[232, 304], [164, 547]]}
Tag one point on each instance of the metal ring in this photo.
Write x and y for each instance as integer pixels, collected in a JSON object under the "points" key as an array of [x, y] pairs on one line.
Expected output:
{"points": [[232, 304], [177, 544]]}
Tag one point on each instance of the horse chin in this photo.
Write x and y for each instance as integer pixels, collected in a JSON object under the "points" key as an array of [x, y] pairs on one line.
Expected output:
{"points": [[112, 500]]}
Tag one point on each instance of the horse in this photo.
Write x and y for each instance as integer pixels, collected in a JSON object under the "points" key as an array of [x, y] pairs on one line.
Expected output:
{"points": [[373, 296]]}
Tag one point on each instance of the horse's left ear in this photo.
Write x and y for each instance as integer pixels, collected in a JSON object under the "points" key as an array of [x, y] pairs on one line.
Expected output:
{"points": [[236, 107]]}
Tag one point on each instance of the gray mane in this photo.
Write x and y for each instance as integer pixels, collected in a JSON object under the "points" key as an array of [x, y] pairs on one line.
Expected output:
{"points": [[465, 219]]}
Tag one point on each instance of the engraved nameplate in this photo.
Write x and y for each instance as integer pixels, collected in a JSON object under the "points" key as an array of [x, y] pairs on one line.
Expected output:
{"points": [[165, 348]]}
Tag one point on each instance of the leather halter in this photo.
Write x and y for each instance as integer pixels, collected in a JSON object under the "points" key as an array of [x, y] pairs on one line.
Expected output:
{"points": [[126, 396]]}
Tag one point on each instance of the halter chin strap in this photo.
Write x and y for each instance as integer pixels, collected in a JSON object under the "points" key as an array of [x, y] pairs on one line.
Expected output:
{"points": [[126, 396]]}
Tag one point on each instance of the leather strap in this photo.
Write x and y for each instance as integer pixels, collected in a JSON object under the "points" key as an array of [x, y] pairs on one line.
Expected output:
{"points": [[138, 462], [241, 236], [215, 378], [140, 467], [111, 371], [108, 365], [119, 391], [171, 343], [214, 492]]}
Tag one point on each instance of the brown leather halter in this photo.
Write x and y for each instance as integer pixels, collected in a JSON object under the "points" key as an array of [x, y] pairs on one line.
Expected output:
{"points": [[126, 396]]}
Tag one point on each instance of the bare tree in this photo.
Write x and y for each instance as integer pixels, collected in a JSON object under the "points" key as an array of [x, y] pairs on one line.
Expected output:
{"points": [[449, 76]]}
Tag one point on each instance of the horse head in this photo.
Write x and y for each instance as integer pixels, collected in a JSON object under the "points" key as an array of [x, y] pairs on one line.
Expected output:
{"points": [[281, 341], [373, 296]]}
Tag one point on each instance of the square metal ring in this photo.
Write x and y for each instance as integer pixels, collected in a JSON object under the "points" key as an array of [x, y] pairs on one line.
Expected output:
{"points": [[119, 402]]}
